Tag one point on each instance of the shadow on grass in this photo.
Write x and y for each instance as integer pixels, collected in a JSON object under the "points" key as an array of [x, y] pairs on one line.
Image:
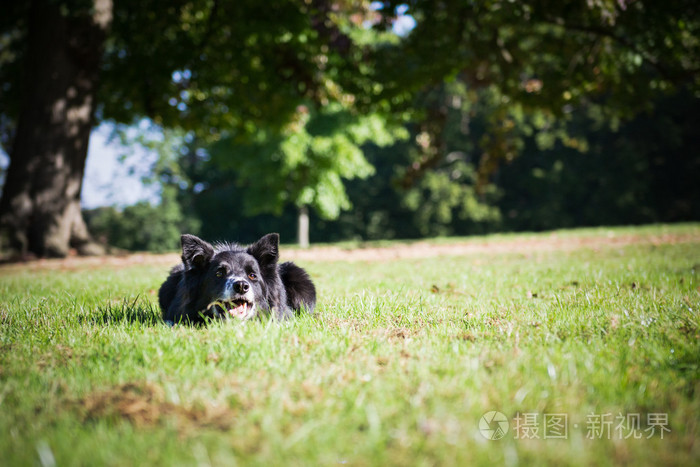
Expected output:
{"points": [[127, 311]]}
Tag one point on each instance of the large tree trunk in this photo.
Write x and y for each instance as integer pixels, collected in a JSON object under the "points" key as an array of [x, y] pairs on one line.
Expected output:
{"points": [[40, 205]]}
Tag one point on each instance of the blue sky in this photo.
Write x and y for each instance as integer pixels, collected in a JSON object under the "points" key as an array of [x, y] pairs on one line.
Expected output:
{"points": [[109, 181]]}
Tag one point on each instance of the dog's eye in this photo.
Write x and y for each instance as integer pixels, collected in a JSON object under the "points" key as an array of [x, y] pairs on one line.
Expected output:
{"points": [[252, 276], [221, 272]]}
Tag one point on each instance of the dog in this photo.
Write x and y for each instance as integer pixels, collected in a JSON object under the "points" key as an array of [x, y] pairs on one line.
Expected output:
{"points": [[227, 280]]}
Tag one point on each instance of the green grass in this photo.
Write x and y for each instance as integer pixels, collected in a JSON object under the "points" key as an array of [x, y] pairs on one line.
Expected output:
{"points": [[397, 367]]}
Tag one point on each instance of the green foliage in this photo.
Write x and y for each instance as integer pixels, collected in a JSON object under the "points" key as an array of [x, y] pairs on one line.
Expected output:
{"points": [[398, 366], [304, 165], [216, 66], [546, 54], [638, 171], [444, 196], [586, 169]]}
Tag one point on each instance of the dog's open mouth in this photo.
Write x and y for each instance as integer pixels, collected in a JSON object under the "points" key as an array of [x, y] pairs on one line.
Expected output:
{"points": [[238, 308]]}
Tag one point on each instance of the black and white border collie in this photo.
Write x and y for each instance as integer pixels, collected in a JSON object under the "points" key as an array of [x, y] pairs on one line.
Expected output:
{"points": [[227, 280]]}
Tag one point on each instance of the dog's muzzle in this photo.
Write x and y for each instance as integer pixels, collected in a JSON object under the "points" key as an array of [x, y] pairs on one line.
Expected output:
{"points": [[238, 300]]}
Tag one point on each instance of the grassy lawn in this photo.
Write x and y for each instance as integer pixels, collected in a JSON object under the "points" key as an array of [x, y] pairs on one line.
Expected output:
{"points": [[590, 352]]}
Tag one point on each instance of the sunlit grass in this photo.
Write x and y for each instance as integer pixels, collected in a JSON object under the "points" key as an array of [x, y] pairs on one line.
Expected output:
{"points": [[398, 365]]}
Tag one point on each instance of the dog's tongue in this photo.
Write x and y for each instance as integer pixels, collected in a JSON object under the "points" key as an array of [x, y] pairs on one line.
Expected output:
{"points": [[240, 310]]}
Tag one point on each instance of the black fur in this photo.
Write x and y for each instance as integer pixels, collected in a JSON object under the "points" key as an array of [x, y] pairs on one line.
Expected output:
{"points": [[225, 280]]}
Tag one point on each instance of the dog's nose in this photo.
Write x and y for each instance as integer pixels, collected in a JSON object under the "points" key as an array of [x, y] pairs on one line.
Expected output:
{"points": [[241, 286]]}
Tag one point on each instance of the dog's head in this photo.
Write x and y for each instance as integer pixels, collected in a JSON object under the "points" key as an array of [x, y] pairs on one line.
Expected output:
{"points": [[230, 279]]}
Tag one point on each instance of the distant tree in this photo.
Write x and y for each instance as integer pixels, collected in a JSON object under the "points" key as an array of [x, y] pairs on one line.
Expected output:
{"points": [[305, 164]]}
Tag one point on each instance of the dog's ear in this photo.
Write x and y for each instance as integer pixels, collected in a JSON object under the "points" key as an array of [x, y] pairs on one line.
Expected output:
{"points": [[196, 253], [266, 250]]}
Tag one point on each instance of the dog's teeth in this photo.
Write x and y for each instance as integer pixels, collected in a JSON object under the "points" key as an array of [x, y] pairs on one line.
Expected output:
{"points": [[239, 310]]}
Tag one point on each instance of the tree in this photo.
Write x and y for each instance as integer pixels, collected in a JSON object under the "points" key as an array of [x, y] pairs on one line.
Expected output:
{"points": [[40, 205], [305, 164]]}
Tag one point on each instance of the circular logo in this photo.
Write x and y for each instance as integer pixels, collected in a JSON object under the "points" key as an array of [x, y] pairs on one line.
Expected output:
{"points": [[493, 425]]}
